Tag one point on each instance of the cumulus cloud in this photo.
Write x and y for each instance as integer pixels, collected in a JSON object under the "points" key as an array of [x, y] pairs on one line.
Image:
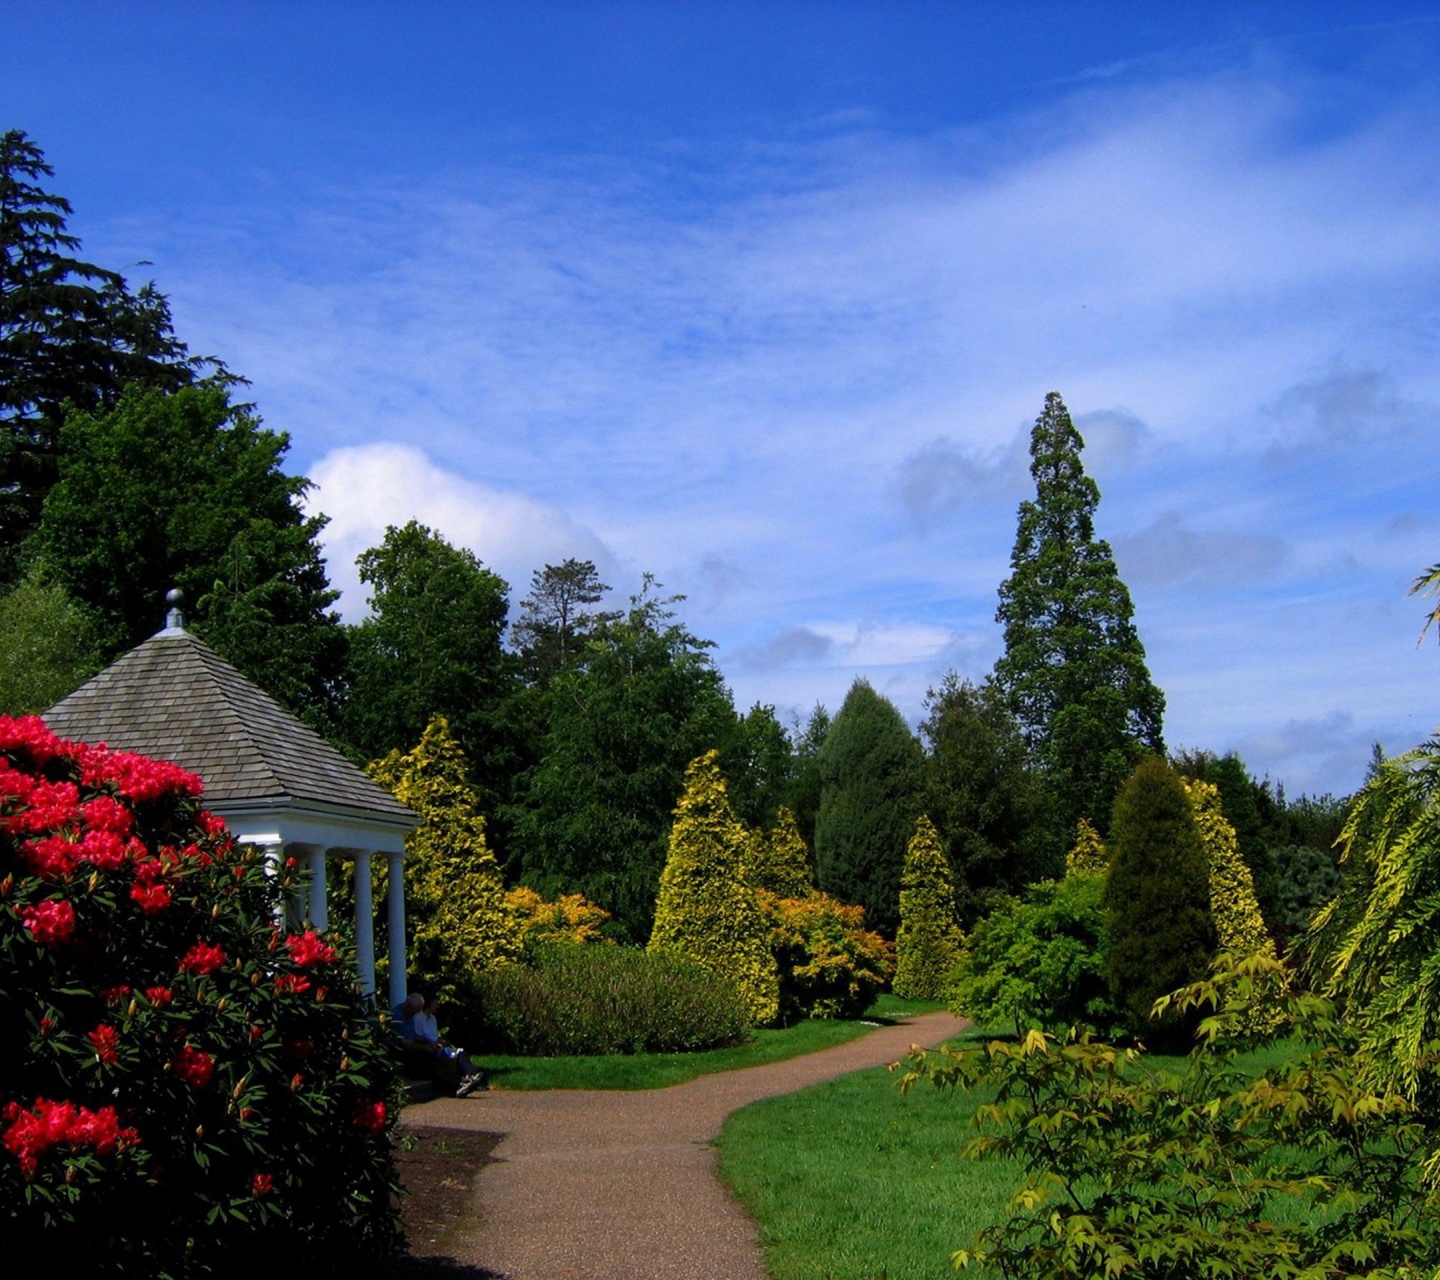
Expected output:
{"points": [[1169, 551], [365, 488], [1341, 407]]}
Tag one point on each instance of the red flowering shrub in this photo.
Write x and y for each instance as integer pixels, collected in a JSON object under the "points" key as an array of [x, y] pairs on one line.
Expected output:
{"points": [[153, 1117]]}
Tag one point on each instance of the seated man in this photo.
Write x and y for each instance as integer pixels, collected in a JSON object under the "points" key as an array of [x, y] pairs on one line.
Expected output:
{"points": [[426, 1054]]}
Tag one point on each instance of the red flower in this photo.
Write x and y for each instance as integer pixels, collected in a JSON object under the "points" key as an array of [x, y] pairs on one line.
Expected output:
{"points": [[50, 922], [261, 1184], [194, 1066], [105, 813], [115, 995], [105, 1040], [309, 948], [31, 1133], [369, 1115], [286, 983], [151, 897], [160, 997], [202, 958]]}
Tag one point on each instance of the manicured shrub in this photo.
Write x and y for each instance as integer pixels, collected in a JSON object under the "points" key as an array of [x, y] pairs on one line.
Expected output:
{"points": [[455, 911], [929, 940], [1039, 961], [185, 1089], [706, 910], [1157, 898], [598, 1000], [830, 965]]}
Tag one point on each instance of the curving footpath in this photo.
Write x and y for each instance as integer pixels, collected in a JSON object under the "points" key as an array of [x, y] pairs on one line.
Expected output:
{"points": [[623, 1185]]}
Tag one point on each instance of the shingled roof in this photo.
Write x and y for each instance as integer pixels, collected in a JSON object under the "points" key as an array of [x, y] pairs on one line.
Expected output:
{"points": [[176, 699]]}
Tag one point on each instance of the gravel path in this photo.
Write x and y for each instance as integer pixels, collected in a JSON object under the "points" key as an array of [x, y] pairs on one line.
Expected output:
{"points": [[622, 1185]]}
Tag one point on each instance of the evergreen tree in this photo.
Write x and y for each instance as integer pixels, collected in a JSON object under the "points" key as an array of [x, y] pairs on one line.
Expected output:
{"points": [[431, 647], [593, 815], [776, 861], [185, 489], [803, 793], [705, 909], [556, 621], [1157, 898], [871, 777], [1239, 927], [455, 909], [1073, 669], [929, 941], [983, 793], [71, 333], [1088, 856], [758, 763]]}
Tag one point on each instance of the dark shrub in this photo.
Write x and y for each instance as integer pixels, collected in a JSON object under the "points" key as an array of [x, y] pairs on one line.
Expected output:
{"points": [[597, 1000]]}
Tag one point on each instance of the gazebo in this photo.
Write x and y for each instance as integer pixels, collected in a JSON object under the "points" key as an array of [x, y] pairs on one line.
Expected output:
{"points": [[278, 784]]}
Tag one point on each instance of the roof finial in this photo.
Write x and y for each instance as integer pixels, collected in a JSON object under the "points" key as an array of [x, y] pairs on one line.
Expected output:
{"points": [[174, 619]]}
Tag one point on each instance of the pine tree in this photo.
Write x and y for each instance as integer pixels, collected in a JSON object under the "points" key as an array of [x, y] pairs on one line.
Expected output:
{"points": [[556, 620], [1073, 669], [776, 860], [454, 895], [705, 909], [871, 777], [1157, 898], [929, 941]]}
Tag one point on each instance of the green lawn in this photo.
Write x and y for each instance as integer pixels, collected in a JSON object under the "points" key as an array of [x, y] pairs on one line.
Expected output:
{"points": [[657, 1070], [852, 1180]]}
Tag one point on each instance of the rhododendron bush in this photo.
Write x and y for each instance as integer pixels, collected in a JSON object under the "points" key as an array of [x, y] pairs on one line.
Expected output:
{"points": [[185, 1088]]}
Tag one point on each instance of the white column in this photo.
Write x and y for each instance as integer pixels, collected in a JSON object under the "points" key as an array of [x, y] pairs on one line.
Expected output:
{"points": [[396, 904], [274, 855], [317, 910], [364, 924]]}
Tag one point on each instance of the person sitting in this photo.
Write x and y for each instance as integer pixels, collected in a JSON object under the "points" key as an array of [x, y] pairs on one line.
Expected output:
{"points": [[426, 1054]]}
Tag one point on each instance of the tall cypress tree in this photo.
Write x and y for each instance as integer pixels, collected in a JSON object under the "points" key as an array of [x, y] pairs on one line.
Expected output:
{"points": [[1073, 669], [871, 778]]}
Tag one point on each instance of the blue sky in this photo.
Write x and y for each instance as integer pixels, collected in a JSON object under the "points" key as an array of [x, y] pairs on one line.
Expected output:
{"points": [[763, 299]]}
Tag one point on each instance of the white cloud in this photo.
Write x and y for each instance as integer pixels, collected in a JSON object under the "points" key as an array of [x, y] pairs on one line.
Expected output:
{"points": [[365, 488]]}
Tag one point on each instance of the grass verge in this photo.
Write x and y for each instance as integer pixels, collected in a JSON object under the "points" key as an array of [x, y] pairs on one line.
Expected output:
{"points": [[851, 1180], [658, 1070]]}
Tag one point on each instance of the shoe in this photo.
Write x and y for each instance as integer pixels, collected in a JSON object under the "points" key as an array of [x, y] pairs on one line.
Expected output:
{"points": [[467, 1086]]}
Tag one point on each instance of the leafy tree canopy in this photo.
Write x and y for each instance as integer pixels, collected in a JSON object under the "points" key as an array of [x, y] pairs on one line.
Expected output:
{"points": [[47, 647], [556, 620], [186, 489], [1073, 669], [431, 647], [594, 814], [71, 334], [985, 796]]}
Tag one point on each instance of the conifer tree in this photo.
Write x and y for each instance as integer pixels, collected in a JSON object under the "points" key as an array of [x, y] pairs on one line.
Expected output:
{"points": [[1239, 926], [1157, 897], [871, 777], [705, 908], [1073, 669], [776, 861], [454, 895], [929, 941], [1088, 856]]}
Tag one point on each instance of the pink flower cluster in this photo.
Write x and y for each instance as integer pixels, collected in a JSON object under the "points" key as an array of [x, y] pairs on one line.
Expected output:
{"points": [[51, 923], [31, 1133]]}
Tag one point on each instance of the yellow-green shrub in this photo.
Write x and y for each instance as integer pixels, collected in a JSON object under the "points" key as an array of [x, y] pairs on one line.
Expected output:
{"points": [[572, 918], [1239, 926], [929, 941], [705, 908], [831, 965], [1089, 857], [776, 860], [454, 895]]}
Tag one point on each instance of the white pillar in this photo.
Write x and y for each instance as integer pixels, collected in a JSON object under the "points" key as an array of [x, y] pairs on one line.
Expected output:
{"points": [[274, 855], [364, 924], [317, 910], [396, 904]]}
